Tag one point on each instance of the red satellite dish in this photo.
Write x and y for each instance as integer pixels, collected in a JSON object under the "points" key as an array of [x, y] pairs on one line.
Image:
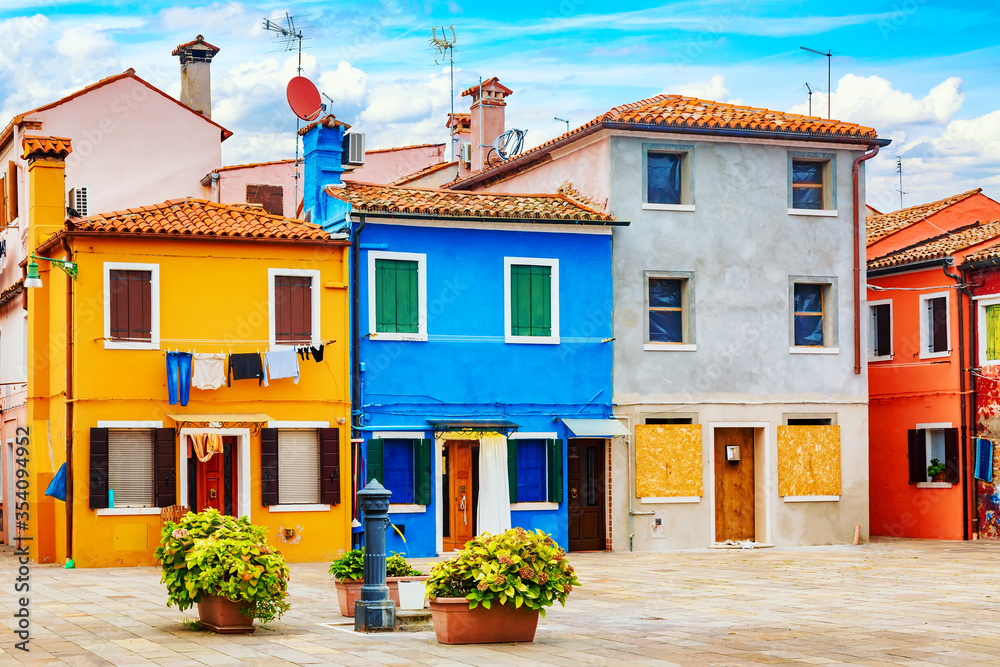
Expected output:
{"points": [[304, 98]]}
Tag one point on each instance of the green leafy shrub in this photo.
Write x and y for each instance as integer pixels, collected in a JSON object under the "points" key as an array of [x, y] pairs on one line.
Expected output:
{"points": [[516, 568], [351, 566], [213, 554], [935, 468], [396, 566]]}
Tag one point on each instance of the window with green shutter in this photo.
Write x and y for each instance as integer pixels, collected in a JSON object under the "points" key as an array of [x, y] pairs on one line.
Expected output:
{"points": [[397, 299], [530, 300], [993, 332]]}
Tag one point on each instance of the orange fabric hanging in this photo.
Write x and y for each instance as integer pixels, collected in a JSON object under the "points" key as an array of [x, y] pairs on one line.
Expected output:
{"points": [[205, 445]]}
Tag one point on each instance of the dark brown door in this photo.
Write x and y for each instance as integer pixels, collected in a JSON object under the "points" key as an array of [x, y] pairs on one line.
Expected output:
{"points": [[216, 483], [586, 495], [460, 510], [734, 485]]}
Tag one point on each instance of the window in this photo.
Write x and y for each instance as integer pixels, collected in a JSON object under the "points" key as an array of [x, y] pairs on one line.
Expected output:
{"points": [[811, 181], [294, 306], [934, 334], [268, 196], [300, 466], [403, 466], [932, 441], [879, 330], [531, 293], [813, 315], [534, 470], [669, 420], [132, 468], [131, 306], [397, 296], [669, 324], [667, 177], [989, 331]]}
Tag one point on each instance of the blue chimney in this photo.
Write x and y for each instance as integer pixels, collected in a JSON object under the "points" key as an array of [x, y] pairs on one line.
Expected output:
{"points": [[322, 146]]}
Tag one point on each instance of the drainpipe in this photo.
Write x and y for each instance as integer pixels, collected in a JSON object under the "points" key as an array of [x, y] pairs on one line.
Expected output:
{"points": [[855, 169], [69, 405], [961, 386], [973, 401], [356, 424]]}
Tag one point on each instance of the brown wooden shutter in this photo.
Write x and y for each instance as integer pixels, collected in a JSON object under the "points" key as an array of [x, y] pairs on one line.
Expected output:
{"points": [[917, 452], [131, 304], [269, 196], [951, 472], [4, 220], [12, 210], [293, 309], [165, 467], [329, 461], [98, 468], [268, 466]]}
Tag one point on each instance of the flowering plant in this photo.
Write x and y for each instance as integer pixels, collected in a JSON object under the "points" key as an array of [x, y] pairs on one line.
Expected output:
{"points": [[516, 568]]}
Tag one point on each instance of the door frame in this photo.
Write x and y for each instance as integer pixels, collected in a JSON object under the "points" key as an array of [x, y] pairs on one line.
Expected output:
{"points": [[242, 465], [8, 492], [605, 490], [762, 476]]}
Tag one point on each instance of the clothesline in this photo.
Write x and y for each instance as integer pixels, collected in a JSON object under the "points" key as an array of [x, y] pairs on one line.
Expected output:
{"points": [[227, 341]]}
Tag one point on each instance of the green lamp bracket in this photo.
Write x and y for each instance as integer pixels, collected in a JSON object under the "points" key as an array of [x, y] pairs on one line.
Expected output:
{"points": [[69, 268]]}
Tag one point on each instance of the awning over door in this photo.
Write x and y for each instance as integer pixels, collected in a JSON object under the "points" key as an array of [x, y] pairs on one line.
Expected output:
{"points": [[474, 425], [595, 428]]}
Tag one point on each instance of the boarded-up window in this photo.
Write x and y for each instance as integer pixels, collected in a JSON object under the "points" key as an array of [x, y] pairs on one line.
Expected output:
{"points": [[397, 302], [268, 196], [298, 466], [807, 184], [808, 314], [668, 461], [530, 300], [809, 460], [663, 178], [131, 305], [130, 466], [293, 309]]}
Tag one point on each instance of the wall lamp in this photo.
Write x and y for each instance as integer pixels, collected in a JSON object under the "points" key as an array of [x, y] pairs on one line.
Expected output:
{"points": [[34, 280]]}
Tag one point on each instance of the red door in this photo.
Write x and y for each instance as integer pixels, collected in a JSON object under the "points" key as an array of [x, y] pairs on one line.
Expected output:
{"points": [[216, 481]]}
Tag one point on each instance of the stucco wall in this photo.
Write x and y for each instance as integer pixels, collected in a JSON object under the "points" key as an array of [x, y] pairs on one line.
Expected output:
{"points": [[233, 183], [386, 165]]}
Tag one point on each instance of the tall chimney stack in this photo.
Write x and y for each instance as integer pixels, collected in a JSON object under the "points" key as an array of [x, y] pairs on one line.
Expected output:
{"points": [[196, 78], [487, 121]]}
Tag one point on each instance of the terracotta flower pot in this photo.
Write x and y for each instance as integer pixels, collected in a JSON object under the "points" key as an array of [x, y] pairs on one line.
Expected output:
{"points": [[348, 592], [938, 477], [455, 623], [223, 616]]}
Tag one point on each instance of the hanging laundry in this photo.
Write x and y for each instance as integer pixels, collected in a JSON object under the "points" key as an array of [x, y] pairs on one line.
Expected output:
{"points": [[318, 352], [213, 444], [209, 370], [178, 377], [205, 445], [282, 364], [303, 352], [246, 366], [57, 487], [984, 459]]}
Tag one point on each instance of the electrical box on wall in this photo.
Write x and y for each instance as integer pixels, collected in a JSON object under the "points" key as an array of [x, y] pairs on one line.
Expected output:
{"points": [[466, 153]]}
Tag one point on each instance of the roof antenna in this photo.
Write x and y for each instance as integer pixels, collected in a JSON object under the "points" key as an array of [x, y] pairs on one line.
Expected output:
{"points": [[446, 49], [563, 120], [810, 98], [899, 170], [829, 88]]}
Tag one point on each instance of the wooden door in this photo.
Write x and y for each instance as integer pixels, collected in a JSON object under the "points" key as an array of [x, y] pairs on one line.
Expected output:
{"points": [[586, 495], [734, 485], [216, 483], [459, 488]]}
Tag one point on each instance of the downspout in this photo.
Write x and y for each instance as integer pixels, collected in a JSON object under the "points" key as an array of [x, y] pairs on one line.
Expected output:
{"points": [[973, 424], [356, 424], [961, 387], [855, 170], [69, 405]]}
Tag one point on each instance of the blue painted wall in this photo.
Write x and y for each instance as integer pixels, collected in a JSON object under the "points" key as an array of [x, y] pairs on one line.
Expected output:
{"points": [[466, 370]]}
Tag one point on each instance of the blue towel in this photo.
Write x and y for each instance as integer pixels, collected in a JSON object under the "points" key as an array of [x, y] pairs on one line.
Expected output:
{"points": [[282, 364], [57, 487], [984, 459]]}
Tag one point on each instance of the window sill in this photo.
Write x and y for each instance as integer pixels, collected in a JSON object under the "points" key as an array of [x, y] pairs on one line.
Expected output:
{"points": [[934, 485], [522, 507], [121, 345], [935, 355], [874, 360], [670, 347], [405, 508], [668, 207], [129, 511], [811, 499], [813, 350], [670, 500], [532, 340], [412, 337], [816, 212], [311, 507]]}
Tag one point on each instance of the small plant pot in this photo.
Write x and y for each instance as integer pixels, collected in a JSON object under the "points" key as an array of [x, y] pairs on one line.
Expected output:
{"points": [[412, 592], [938, 477], [455, 623], [348, 592], [223, 616]]}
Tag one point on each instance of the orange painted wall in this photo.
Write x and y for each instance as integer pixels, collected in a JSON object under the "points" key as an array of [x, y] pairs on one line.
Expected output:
{"points": [[978, 207]]}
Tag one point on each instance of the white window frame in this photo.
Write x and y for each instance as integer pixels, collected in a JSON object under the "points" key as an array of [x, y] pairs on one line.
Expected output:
{"points": [[314, 292], [871, 331], [686, 151], [301, 507], [831, 306], [154, 307], [553, 264], [991, 300], [687, 343], [925, 325], [421, 260], [927, 428], [139, 425]]}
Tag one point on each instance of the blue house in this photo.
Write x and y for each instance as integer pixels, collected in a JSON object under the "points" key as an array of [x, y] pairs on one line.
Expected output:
{"points": [[483, 355]]}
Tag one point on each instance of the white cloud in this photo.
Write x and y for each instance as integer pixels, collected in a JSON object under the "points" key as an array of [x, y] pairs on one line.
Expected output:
{"points": [[713, 89], [86, 47], [345, 84], [231, 19]]}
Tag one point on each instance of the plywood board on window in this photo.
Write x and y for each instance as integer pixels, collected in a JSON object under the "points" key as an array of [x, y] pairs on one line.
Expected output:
{"points": [[809, 460], [668, 460]]}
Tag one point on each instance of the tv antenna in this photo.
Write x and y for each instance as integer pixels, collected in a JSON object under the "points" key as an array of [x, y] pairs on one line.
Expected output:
{"points": [[563, 120], [899, 170], [829, 61], [809, 88], [445, 47]]}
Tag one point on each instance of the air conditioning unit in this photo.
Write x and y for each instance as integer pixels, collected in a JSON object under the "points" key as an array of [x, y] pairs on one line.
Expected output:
{"points": [[467, 153], [79, 199], [354, 149]]}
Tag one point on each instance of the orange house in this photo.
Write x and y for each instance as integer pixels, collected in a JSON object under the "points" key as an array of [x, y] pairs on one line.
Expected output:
{"points": [[921, 352]]}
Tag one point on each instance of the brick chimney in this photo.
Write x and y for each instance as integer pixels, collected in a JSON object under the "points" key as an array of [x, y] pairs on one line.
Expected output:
{"points": [[322, 148], [487, 122], [196, 77]]}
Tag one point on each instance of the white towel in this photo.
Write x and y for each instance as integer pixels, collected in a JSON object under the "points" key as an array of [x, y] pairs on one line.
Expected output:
{"points": [[282, 364], [209, 370]]}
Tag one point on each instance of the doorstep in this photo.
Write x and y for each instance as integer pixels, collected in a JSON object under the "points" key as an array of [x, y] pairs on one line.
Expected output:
{"points": [[413, 620]]}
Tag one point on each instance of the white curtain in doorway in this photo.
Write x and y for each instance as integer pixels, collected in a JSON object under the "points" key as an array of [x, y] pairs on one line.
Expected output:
{"points": [[493, 513]]}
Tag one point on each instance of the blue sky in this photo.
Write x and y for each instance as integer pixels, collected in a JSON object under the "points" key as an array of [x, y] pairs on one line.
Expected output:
{"points": [[924, 73]]}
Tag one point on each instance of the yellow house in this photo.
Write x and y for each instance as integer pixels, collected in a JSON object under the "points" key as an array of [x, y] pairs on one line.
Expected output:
{"points": [[143, 373]]}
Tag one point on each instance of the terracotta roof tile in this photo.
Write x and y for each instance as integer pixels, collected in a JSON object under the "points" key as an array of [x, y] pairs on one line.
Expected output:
{"points": [[327, 121], [50, 146], [12, 291], [880, 226], [990, 252], [197, 40], [944, 245], [405, 148], [370, 198], [495, 81], [251, 165], [426, 171]]}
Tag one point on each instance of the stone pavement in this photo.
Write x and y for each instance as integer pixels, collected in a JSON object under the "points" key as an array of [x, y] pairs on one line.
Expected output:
{"points": [[911, 602]]}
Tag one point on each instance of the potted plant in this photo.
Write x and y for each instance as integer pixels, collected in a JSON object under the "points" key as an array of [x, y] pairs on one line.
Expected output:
{"points": [[226, 567], [495, 588], [348, 572], [406, 585], [936, 470]]}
